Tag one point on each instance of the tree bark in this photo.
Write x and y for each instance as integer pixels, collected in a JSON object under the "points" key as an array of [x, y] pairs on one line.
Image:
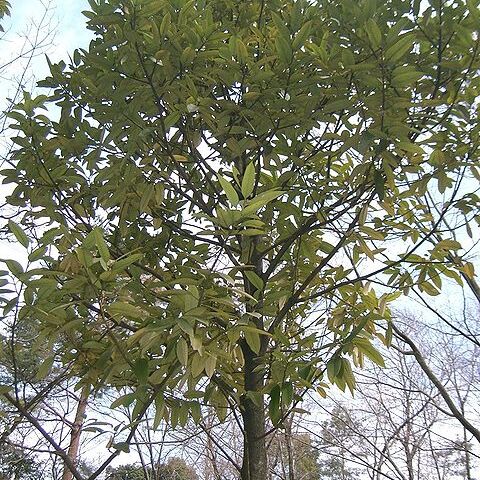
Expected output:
{"points": [[288, 442], [254, 465], [76, 432]]}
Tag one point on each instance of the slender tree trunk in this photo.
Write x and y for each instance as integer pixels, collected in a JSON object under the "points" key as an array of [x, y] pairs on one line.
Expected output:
{"points": [[468, 470], [76, 432], [288, 442], [254, 465], [214, 472]]}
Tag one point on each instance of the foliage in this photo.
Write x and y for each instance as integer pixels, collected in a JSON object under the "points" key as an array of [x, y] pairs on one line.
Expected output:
{"points": [[126, 472], [221, 179], [338, 431], [16, 464], [174, 469], [305, 458], [4, 10]]}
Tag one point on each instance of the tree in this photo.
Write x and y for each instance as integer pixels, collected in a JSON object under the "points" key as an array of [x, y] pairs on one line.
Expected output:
{"points": [[16, 464], [305, 458], [292, 456], [398, 426], [175, 469], [336, 440], [126, 472], [221, 181]]}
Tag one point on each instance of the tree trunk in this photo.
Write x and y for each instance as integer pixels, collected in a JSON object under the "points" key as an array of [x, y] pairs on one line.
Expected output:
{"points": [[254, 465], [76, 432], [288, 442], [468, 469]]}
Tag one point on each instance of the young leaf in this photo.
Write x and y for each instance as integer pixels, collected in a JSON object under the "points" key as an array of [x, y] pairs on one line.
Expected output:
{"points": [[229, 190]]}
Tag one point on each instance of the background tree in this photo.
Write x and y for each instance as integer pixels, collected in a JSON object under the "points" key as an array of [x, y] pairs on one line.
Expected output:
{"points": [[221, 181], [16, 464], [175, 469], [338, 443]]}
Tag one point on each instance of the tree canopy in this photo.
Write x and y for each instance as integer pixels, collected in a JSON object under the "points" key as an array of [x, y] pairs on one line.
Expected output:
{"points": [[210, 188]]}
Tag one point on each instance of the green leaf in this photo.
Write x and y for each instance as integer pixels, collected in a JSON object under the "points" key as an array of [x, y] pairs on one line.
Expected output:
{"points": [[147, 195], [399, 48], [379, 180], [241, 51], [287, 394], [248, 180], [373, 32], [369, 351], [284, 49], [165, 24], [37, 254], [448, 245], [122, 446], [410, 147], [14, 267], [389, 334], [229, 190], [274, 404], [141, 371], [254, 279], [253, 340], [469, 270], [124, 309], [197, 365], [123, 263], [44, 368], [332, 368], [403, 76], [123, 401], [302, 36], [348, 375], [185, 325], [182, 351], [159, 410], [101, 245], [256, 203], [337, 105], [429, 289], [372, 233], [196, 411], [210, 364], [19, 234]]}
